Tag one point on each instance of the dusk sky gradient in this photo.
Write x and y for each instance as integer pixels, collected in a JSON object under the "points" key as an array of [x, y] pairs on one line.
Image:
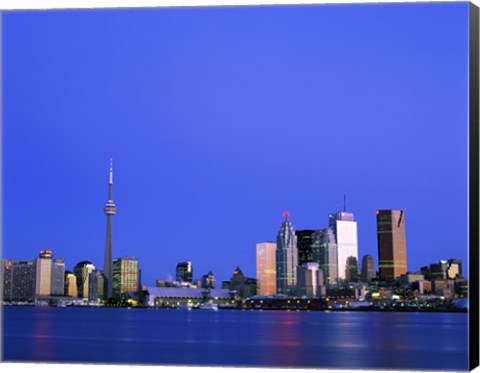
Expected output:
{"points": [[219, 119]]}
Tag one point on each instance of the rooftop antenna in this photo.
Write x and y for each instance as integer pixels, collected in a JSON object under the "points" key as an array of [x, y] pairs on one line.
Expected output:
{"points": [[344, 203]]}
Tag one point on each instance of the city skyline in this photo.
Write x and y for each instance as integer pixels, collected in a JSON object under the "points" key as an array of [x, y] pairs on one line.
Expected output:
{"points": [[209, 155]]}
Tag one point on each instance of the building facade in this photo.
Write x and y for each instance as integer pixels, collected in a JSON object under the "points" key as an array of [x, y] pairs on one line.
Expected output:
{"points": [[6, 279], [305, 245], [97, 286], [184, 272], [208, 281], [344, 229], [43, 282], [286, 258], [368, 268], [19, 280], [325, 254], [310, 281], [352, 270], [58, 277], [82, 273], [71, 289], [392, 244], [266, 271], [125, 276], [242, 286]]}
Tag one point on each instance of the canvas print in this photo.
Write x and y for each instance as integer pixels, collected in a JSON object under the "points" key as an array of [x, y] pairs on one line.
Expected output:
{"points": [[241, 186]]}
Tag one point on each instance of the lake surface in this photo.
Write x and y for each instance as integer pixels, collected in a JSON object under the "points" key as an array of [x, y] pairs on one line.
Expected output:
{"points": [[345, 340]]}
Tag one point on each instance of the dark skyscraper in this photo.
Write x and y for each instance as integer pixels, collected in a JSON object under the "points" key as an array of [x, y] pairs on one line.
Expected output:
{"points": [[18, 280], [82, 273], [184, 272], [109, 210], [208, 281], [368, 268], [392, 247], [305, 246]]}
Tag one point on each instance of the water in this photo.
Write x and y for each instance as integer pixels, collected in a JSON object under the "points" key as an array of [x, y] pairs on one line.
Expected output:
{"points": [[345, 340]]}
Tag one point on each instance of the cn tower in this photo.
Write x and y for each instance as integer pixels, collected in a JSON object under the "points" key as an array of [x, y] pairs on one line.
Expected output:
{"points": [[109, 210]]}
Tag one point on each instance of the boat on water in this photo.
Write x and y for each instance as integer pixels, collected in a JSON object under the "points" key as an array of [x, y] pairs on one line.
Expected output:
{"points": [[208, 306]]}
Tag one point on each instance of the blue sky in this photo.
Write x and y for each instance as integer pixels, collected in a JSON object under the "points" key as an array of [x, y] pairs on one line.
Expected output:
{"points": [[219, 119]]}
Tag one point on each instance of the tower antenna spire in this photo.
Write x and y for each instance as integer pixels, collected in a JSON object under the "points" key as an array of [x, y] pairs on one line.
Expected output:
{"points": [[111, 171], [344, 202]]}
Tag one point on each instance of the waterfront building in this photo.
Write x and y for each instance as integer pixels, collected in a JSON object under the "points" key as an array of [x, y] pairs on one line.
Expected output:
{"points": [[208, 281], [184, 272], [71, 289], [344, 229], [43, 281], [175, 297], [325, 254], [58, 277], [305, 245], [125, 276], [286, 258], [266, 271], [368, 268], [392, 246], [110, 210], [310, 282], [243, 286], [82, 272], [97, 286], [23, 280]]}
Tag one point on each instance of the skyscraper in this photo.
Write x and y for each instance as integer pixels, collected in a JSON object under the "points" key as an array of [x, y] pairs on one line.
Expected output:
{"points": [[243, 286], [208, 281], [96, 286], [305, 245], [184, 272], [344, 228], [71, 289], [351, 270], [82, 272], [23, 280], [325, 254], [392, 246], [125, 276], [310, 281], [58, 277], [109, 210], [286, 258], [368, 268], [43, 282], [266, 272]]}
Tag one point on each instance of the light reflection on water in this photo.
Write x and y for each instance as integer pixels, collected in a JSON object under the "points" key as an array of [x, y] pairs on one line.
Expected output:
{"points": [[271, 338]]}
